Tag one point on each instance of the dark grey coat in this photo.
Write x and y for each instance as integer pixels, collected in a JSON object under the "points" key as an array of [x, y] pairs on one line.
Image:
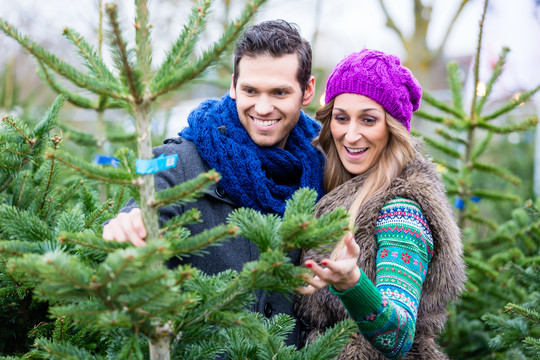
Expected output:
{"points": [[215, 206]]}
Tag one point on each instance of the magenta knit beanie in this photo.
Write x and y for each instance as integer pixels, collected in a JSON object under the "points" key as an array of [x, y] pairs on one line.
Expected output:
{"points": [[380, 77]]}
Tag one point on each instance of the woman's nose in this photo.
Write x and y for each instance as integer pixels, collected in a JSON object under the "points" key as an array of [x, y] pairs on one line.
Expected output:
{"points": [[354, 133]]}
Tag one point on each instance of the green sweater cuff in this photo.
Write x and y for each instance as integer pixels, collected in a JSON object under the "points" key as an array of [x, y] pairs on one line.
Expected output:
{"points": [[361, 300]]}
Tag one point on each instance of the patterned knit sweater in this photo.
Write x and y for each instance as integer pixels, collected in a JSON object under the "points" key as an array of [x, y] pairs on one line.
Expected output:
{"points": [[444, 280], [386, 312]]}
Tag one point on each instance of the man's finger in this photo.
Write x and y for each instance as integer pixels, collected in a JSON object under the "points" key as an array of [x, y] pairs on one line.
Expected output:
{"points": [[137, 223]]}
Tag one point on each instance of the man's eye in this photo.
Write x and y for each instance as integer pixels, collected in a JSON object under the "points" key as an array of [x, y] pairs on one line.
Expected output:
{"points": [[281, 93]]}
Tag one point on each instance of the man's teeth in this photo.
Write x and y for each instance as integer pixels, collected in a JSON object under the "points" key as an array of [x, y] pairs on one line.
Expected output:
{"points": [[265, 122], [354, 151]]}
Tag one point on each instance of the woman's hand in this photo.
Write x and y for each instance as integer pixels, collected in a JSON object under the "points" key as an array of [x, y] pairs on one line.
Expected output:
{"points": [[342, 273]]}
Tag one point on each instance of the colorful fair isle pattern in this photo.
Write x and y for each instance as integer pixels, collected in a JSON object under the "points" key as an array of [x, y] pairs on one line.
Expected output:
{"points": [[386, 313]]}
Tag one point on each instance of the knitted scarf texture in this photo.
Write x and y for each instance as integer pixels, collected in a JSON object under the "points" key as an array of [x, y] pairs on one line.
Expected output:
{"points": [[262, 178]]}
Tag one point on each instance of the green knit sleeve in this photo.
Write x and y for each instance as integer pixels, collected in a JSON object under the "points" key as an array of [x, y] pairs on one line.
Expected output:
{"points": [[385, 312]]}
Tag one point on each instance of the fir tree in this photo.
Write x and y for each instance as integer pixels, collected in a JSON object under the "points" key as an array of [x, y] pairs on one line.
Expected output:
{"points": [[463, 139], [125, 294]]}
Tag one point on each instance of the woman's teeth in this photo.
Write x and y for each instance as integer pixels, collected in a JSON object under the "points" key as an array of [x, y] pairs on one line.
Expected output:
{"points": [[355, 151]]}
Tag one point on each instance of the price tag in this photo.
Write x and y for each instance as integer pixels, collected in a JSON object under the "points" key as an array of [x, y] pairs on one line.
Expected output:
{"points": [[152, 166], [107, 160]]}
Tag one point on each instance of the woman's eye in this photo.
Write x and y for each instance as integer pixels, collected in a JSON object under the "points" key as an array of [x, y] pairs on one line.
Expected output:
{"points": [[341, 118], [370, 120]]}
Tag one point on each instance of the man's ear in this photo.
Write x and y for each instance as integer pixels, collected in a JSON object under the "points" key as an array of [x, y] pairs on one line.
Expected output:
{"points": [[232, 90], [309, 93]]}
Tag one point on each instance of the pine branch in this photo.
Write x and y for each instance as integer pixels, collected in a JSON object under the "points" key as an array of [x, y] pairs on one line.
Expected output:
{"points": [[89, 241], [121, 54], [187, 191], [497, 71], [142, 39], [476, 69], [329, 345], [186, 218], [446, 121], [497, 171], [72, 97], [450, 151], [18, 224], [447, 166], [191, 71], [94, 218], [528, 124], [456, 87], [196, 243], [447, 136], [66, 195], [92, 60], [185, 43], [514, 103], [427, 97], [481, 220], [256, 227], [63, 350], [114, 176], [19, 248], [495, 195], [481, 147], [69, 72]]}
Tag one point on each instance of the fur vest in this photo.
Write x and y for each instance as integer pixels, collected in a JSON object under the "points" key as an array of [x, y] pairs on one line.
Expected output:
{"points": [[446, 272]]}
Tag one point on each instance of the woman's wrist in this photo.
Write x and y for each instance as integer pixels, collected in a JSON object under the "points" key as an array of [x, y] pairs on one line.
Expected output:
{"points": [[350, 282]]}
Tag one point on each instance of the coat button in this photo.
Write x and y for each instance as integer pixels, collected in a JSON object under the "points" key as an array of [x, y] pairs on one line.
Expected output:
{"points": [[268, 310], [220, 192]]}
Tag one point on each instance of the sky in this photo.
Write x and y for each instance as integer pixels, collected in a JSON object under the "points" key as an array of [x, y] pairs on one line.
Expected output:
{"points": [[343, 26]]}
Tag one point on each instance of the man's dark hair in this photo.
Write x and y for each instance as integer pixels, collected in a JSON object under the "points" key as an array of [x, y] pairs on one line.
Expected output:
{"points": [[275, 38]]}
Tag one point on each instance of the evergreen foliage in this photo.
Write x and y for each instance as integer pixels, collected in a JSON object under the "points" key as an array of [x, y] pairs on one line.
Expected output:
{"points": [[113, 300], [493, 251]]}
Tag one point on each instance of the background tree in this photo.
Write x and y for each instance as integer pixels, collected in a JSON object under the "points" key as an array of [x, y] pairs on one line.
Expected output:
{"points": [[419, 57], [460, 147]]}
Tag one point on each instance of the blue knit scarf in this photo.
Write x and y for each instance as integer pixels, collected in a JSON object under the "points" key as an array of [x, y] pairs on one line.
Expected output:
{"points": [[261, 178]]}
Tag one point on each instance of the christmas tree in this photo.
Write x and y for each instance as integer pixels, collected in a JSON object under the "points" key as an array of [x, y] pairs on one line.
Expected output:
{"points": [[126, 296], [491, 248]]}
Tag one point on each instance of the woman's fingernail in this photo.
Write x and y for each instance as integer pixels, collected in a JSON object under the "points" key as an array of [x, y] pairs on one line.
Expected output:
{"points": [[309, 265], [324, 263]]}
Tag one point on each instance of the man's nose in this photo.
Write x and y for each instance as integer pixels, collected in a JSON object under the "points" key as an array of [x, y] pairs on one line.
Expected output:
{"points": [[263, 106]]}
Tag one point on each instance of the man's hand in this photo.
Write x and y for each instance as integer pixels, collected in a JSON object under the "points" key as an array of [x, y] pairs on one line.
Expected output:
{"points": [[342, 273], [126, 227]]}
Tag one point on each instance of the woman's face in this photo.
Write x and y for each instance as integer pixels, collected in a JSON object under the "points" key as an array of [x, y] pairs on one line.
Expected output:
{"points": [[359, 130]]}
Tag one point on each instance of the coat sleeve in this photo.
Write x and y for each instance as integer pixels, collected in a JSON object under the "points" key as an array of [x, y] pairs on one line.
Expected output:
{"points": [[386, 311]]}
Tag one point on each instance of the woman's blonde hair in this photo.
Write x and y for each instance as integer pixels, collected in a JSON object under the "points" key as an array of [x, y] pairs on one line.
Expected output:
{"points": [[397, 153]]}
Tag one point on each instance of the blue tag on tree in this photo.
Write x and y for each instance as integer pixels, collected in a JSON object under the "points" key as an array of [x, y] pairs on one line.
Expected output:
{"points": [[152, 166], [107, 160], [459, 203], [476, 199]]}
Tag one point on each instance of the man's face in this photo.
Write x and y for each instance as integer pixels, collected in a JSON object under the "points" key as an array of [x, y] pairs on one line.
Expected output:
{"points": [[269, 98]]}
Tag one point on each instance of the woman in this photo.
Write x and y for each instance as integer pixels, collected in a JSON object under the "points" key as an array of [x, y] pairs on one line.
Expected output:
{"points": [[404, 264]]}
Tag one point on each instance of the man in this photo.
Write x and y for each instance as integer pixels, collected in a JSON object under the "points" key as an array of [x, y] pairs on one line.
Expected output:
{"points": [[257, 138]]}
